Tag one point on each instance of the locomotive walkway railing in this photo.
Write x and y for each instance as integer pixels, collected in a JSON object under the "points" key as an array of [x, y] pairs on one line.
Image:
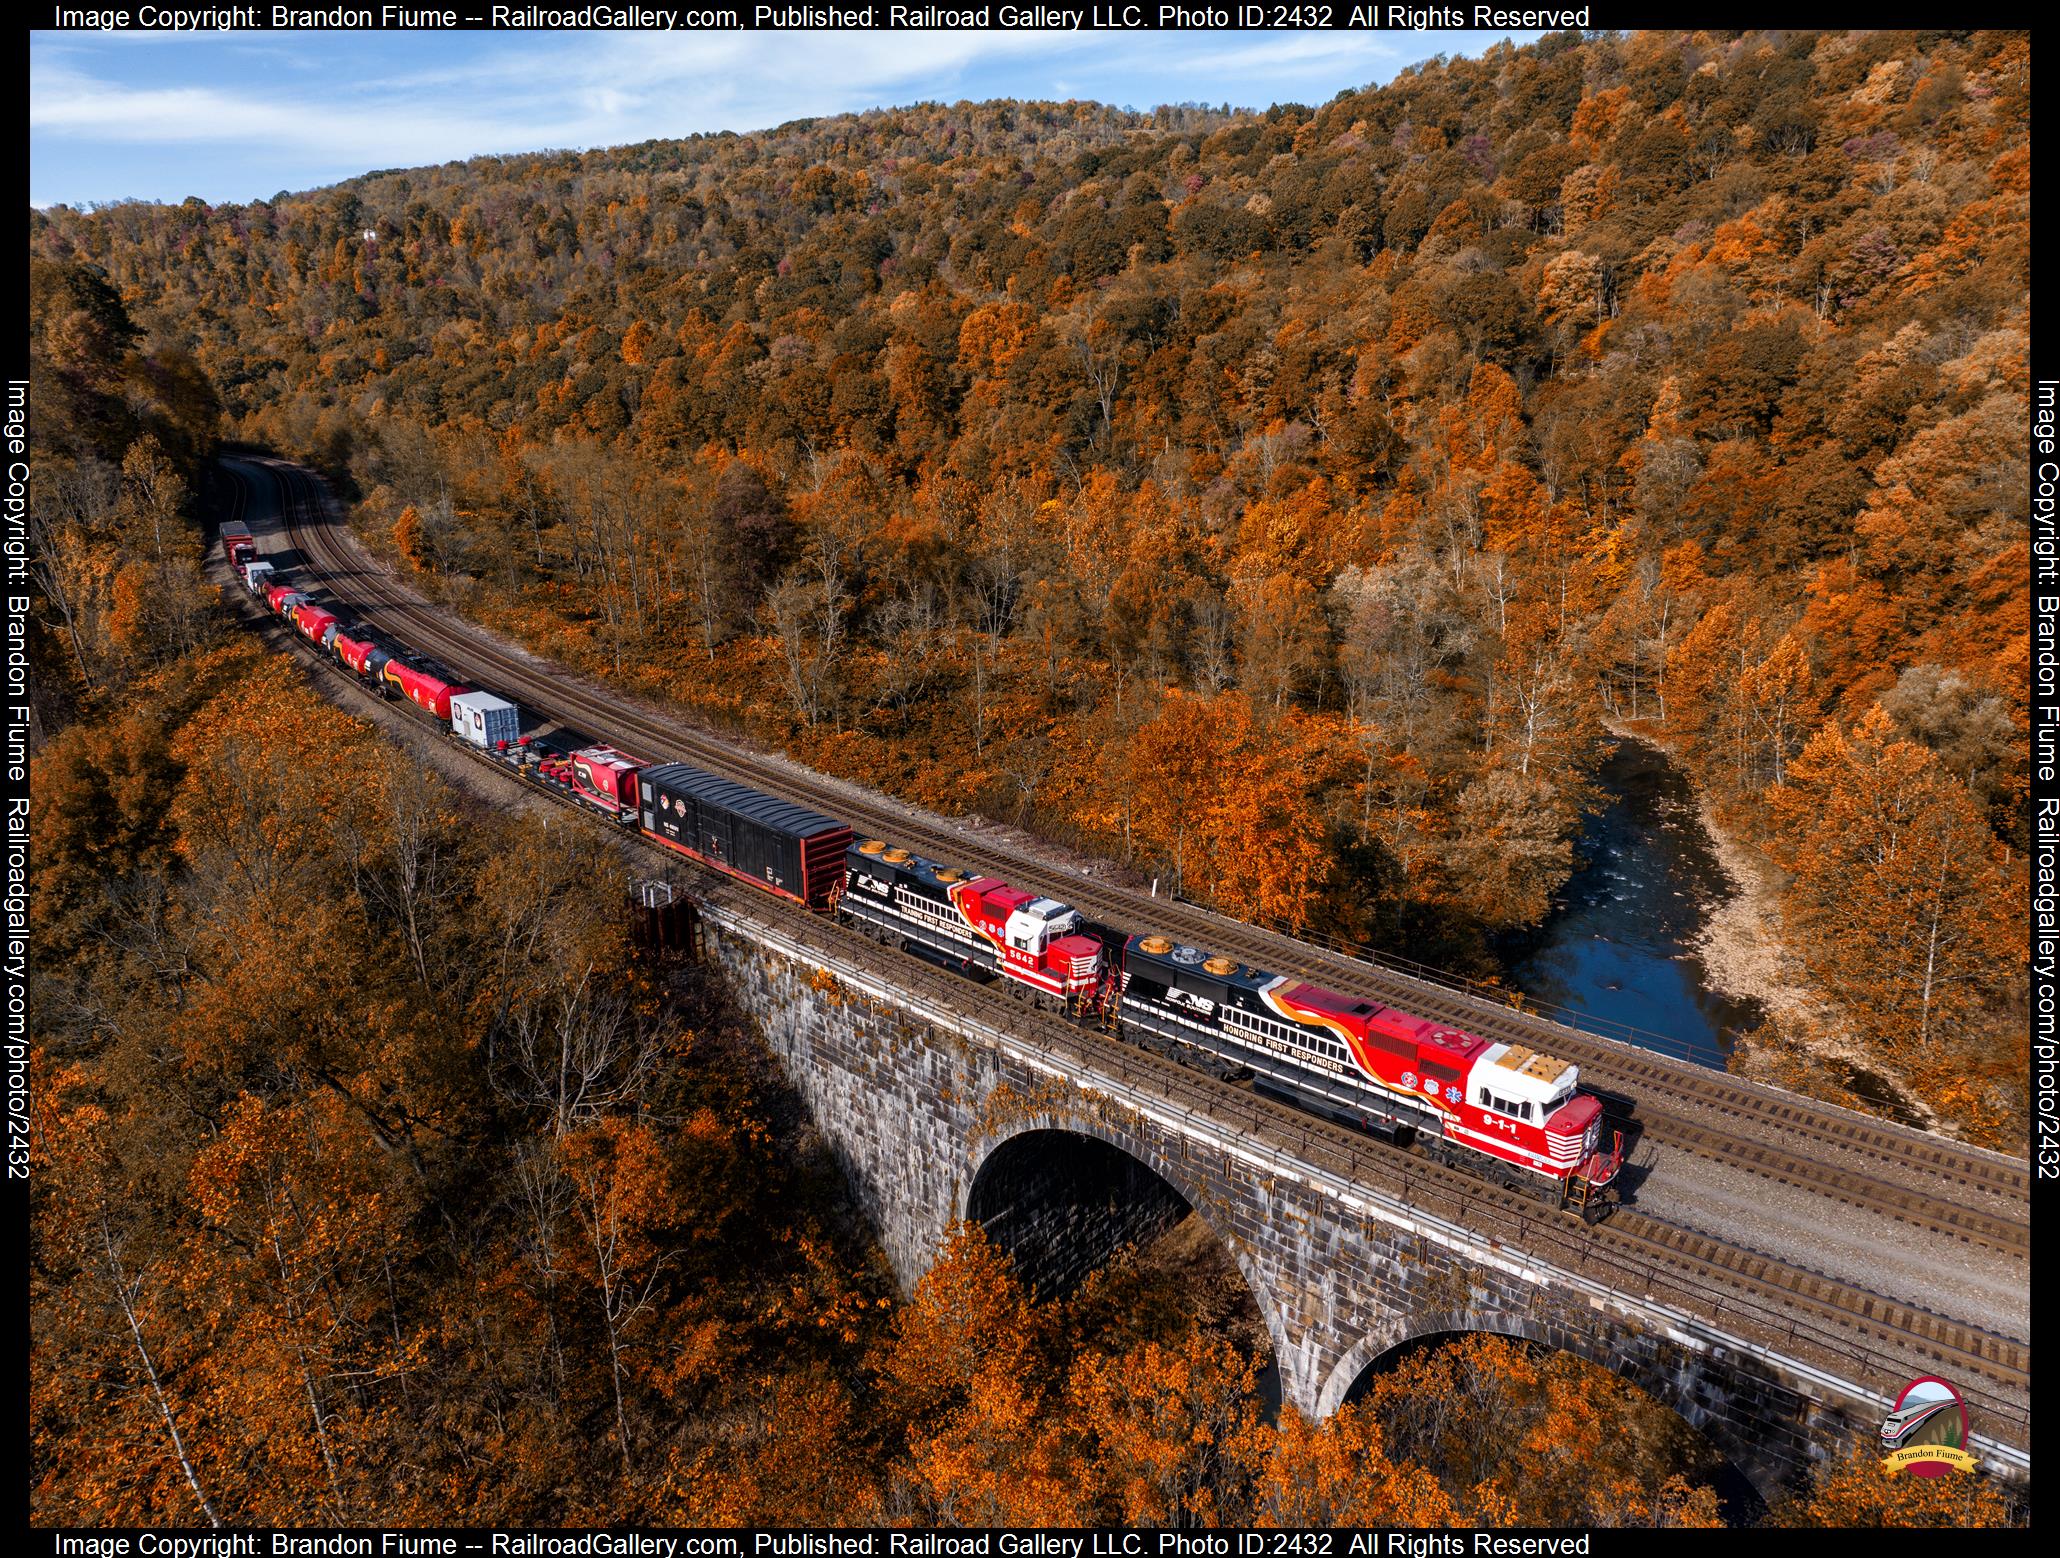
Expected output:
{"points": [[1488, 997]]}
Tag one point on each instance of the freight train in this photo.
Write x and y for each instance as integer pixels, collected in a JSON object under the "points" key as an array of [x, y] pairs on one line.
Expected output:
{"points": [[1505, 1110]]}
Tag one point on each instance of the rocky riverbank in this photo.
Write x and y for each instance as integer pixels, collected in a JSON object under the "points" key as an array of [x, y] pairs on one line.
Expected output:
{"points": [[1803, 1044]]}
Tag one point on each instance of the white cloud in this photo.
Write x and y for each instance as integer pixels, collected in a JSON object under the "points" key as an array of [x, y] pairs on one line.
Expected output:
{"points": [[580, 92], [301, 109], [1297, 54]]}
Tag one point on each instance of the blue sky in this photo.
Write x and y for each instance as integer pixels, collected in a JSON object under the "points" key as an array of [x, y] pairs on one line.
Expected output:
{"points": [[241, 116]]}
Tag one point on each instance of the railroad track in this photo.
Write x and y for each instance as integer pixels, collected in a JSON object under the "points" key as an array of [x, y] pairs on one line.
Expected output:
{"points": [[1950, 1184], [1814, 1318]]}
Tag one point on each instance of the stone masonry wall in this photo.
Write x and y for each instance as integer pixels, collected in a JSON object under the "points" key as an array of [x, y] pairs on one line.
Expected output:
{"points": [[921, 1119]]}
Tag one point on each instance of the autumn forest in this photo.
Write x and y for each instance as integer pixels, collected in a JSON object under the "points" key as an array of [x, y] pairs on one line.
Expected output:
{"points": [[1290, 506]]}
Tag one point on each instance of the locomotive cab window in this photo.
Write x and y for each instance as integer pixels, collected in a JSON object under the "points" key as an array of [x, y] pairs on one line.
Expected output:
{"points": [[1524, 1109]]}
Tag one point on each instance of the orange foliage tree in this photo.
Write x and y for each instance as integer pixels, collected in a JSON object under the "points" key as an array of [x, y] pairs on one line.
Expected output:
{"points": [[1901, 895], [1860, 1493]]}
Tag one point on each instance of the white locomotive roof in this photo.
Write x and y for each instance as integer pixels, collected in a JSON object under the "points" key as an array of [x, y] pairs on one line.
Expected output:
{"points": [[1522, 1072], [481, 701]]}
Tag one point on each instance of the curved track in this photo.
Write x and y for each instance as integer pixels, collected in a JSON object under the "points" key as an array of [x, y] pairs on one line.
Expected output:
{"points": [[1928, 1183], [1772, 1296]]}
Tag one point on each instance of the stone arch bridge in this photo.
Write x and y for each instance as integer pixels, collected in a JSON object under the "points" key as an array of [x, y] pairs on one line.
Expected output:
{"points": [[938, 1115]]}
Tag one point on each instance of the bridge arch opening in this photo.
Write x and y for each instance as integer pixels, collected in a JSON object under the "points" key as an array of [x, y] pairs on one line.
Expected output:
{"points": [[1065, 1204], [1647, 1422]]}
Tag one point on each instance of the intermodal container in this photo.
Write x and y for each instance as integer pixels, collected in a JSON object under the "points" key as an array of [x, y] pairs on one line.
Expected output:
{"points": [[355, 650], [483, 720]]}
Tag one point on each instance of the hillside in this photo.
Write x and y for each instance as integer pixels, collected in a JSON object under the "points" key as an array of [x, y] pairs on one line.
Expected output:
{"points": [[1280, 503]]}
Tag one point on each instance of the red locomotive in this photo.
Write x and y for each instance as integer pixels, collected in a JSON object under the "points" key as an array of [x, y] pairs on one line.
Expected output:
{"points": [[978, 923], [1374, 1066]]}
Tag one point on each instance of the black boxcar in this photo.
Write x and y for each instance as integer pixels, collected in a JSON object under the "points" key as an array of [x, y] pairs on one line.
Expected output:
{"points": [[771, 843]]}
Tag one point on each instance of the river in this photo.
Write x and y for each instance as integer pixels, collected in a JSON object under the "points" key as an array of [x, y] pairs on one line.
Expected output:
{"points": [[1618, 953]]}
